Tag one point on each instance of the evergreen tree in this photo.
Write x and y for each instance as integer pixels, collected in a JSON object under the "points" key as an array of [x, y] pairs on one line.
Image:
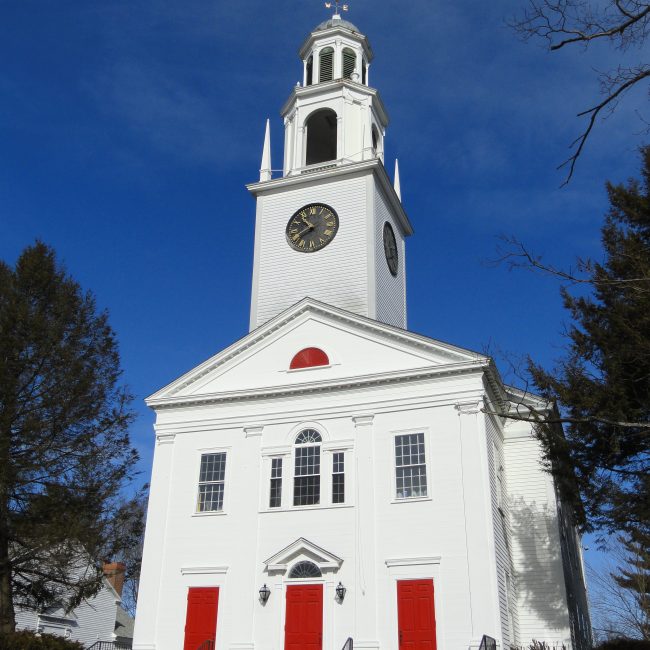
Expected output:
{"points": [[603, 383], [65, 453]]}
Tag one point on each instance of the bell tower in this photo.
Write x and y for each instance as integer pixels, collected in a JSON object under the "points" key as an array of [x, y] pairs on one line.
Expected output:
{"points": [[331, 226]]}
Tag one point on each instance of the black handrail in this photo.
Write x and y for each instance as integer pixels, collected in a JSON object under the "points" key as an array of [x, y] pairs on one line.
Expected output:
{"points": [[109, 645], [348, 645], [488, 643], [207, 645]]}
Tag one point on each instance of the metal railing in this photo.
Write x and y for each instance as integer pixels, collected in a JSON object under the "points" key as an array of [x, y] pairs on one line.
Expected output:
{"points": [[348, 645], [207, 645], [488, 643], [109, 645]]}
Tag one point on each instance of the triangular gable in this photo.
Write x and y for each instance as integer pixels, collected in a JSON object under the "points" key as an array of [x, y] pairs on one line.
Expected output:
{"points": [[300, 550], [368, 342]]}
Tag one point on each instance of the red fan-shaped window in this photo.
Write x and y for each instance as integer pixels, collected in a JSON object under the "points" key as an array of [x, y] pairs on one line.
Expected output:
{"points": [[308, 358]]}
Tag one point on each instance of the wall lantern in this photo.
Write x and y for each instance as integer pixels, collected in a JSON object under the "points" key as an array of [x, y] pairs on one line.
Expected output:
{"points": [[340, 592], [265, 592]]}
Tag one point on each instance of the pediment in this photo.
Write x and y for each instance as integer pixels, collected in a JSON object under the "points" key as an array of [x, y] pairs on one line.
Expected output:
{"points": [[358, 349], [302, 550]]}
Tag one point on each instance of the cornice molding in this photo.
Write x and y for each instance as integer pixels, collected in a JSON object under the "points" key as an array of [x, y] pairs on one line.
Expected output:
{"points": [[204, 570], [468, 408], [305, 308], [374, 165], [165, 438], [380, 379], [413, 561]]}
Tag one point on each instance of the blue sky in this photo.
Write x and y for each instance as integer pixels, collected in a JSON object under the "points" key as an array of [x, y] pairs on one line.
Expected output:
{"points": [[128, 131]]}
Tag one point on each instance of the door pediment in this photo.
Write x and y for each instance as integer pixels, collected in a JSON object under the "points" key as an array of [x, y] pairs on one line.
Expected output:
{"points": [[300, 551]]}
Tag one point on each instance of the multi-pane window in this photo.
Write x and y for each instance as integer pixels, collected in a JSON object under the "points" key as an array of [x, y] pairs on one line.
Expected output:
{"points": [[211, 482], [410, 466], [338, 477], [306, 481], [275, 500]]}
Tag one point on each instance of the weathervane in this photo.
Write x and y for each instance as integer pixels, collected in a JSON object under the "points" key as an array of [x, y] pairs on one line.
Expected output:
{"points": [[338, 4]]}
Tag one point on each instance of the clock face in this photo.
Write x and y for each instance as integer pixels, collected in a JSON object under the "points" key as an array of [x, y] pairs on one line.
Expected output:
{"points": [[390, 249], [312, 228]]}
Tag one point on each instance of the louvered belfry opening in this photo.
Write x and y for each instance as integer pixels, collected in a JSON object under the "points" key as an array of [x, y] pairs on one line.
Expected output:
{"points": [[326, 69], [310, 70], [321, 136], [349, 62]]}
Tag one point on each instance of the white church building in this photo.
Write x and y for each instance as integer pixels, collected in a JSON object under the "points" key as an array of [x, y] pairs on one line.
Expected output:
{"points": [[331, 479]]}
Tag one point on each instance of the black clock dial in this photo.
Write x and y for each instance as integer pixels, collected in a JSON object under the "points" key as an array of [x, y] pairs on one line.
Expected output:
{"points": [[390, 249], [312, 228]]}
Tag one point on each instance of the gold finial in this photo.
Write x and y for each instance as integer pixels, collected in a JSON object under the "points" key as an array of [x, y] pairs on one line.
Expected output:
{"points": [[338, 7]]}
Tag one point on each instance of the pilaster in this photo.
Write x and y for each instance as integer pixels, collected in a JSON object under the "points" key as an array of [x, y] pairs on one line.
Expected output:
{"points": [[365, 596], [481, 560]]}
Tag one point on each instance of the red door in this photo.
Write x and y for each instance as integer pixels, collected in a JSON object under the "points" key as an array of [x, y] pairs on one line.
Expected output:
{"points": [[303, 625], [416, 615], [201, 618]]}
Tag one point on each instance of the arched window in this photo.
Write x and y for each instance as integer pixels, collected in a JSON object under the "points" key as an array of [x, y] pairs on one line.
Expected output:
{"points": [[321, 136], [364, 74], [306, 475], [326, 68], [310, 70], [309, 358], [305, 570], [349, 62], [375, 138]]}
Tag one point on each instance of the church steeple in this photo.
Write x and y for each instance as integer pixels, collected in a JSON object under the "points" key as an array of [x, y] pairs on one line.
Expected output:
{"points": [[334, 117], [332, 227]]}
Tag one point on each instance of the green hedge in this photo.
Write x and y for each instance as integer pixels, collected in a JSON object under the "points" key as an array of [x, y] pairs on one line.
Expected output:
{"points": [[30, 641]]}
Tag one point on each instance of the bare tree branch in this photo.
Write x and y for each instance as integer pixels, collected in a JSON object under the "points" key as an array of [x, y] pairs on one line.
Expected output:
{"points": [[561, 23]]}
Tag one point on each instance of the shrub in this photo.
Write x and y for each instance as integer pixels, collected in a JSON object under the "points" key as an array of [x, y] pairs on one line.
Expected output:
{"points": [[624, 644], [30, 641]]}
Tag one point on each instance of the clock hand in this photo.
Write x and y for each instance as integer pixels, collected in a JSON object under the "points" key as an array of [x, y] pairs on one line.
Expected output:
{"points": [[311, 225], [307, 229]]}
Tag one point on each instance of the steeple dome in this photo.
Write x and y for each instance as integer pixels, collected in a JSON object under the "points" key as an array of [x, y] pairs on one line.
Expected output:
{"points": [[336, 22]]}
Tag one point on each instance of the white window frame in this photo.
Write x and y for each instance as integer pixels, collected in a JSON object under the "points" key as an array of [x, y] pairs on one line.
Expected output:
{"points": [[427, 463], [195, 508], [294, 476]]}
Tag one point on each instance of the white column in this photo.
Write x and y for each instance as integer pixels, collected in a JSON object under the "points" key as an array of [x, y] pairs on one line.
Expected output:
{"points": [[153, 559], [483, 610], [365, 587]]}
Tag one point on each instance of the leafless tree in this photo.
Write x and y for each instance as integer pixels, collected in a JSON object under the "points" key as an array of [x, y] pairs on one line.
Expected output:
{"points": [[563, 23], [615, 608]]}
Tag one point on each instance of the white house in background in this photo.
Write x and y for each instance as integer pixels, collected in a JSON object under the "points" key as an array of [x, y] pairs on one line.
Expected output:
{"points": [[100, 618], [332, 475]]}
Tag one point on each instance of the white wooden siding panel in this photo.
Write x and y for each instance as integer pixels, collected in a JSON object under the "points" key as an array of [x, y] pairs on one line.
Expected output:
{"points": [[536, 556], [337, 274], [391, 291]]}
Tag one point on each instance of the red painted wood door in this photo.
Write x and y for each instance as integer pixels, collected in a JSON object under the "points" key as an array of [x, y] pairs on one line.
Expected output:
{"points": [[416, 615], [201, 617], [303, 625]]}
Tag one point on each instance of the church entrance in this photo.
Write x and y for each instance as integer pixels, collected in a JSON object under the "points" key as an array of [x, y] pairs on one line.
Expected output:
{"points": [[303, 625], [416, 615], [201, 617]]}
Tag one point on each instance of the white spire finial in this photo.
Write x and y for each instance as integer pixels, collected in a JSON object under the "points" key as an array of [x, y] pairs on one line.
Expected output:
{"points": [[265, 170], [396, 183]]}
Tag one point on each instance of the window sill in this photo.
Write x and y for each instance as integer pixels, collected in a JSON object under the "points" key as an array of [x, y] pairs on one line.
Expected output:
{"points": [[411, 499], [213, 513], [331, 506]]}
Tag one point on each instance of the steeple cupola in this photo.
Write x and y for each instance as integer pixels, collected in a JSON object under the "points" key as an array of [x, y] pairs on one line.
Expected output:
{"points": [[334, 117]]}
